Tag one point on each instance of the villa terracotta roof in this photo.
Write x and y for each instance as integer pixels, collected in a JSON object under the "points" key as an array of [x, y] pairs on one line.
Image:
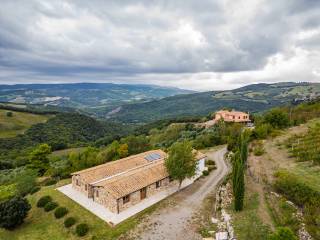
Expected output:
{"points": [[115, 167], [231, 112]]}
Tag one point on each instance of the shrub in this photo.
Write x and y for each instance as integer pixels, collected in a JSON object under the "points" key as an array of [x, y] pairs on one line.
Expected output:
{"points": [[283, 233], [210, 162], [295, 190], [13, 212], [43, 201], [205, 173], [9, 114], [34, 190], [258, 151], [261, 131], [210, 168], [49, 182], [277, 118], [60, 212], [82, 229], [70, 221], [26, 181], [50, 206]]}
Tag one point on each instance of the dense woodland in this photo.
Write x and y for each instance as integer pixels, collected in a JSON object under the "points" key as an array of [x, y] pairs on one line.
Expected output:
{"points": [[65, 130]]}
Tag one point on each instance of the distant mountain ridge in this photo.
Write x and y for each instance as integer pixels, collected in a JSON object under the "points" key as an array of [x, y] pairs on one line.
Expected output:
{"points": [[85, 95], [252, 98]]}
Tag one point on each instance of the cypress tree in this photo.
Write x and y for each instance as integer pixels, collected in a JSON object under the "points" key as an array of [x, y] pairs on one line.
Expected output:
{"points": [[239, 163]]}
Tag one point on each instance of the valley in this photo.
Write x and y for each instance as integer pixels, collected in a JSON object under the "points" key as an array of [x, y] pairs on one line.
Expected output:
{"points": [[85, 96]]}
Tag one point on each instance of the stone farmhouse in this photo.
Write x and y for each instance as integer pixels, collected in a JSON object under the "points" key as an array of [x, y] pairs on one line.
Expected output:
{"points": [[232, 116], [120, 184]]}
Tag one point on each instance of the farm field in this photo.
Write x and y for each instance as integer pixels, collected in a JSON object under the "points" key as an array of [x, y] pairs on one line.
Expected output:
{"points": [[18, 122]]}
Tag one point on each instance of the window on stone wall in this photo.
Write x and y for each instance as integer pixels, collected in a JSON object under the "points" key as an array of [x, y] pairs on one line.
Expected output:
{"points": [[97, 193], [158, 184], [86, 187], [77, 182], [126, 199]]}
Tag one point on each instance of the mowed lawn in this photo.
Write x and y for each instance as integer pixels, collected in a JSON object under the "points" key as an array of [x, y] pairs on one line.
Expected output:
{"points": [[18, 123], [41, 225]]}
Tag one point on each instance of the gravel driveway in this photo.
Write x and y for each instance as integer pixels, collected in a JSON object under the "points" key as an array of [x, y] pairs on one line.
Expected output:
{"points": [[174, 222]]}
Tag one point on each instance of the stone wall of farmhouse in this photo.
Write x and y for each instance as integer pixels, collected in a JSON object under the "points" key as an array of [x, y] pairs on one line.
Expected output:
{"points": [[105, 199], [108, 201], [151, 190], [81, 186]]}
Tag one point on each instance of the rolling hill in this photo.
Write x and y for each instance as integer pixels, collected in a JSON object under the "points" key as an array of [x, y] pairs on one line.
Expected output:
{"points": [[251, 98], [18, 123], [89, 96], [64, 130]]}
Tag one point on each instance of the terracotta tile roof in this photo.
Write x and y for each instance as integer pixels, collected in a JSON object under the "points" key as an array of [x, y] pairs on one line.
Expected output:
{"points": [[199, 155], [129, 174], [115, 167], [129, 182], [138, 178]]}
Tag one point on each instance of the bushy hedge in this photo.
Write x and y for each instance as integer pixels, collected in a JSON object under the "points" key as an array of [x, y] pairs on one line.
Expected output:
{"points": [[50, 182], [210, 162], [82, 229], [70, 221], [34, 190], [205, 173], [43, 201], [60, 212], [50, 206]]}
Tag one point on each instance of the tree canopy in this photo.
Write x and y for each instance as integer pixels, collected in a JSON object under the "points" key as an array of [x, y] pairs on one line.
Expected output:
{"points": [[38, 158], [13, 212], [181, 162]]}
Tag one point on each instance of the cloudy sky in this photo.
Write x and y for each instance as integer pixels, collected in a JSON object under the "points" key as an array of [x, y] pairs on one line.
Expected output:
{"points": [[200, 45]]}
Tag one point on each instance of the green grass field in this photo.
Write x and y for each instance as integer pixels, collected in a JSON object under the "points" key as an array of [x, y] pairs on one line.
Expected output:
{"points": [[41, 225], [18, 123], [247, 224], [308, 173]]}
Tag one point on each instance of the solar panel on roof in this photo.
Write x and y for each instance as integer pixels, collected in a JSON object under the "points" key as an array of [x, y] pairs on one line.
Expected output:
{"points": [[153, 156]]}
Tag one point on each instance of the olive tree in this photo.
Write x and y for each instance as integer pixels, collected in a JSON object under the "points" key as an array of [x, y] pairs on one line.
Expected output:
{"points": [[181, 162]]}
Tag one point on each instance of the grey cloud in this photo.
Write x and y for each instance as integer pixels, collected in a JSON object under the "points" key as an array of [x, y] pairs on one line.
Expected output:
{"points": [[128, 40]]}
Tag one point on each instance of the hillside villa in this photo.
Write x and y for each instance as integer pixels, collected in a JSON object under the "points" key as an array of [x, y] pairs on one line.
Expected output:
{"points": [[121, 184], [227, 116], [232, 116]]}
